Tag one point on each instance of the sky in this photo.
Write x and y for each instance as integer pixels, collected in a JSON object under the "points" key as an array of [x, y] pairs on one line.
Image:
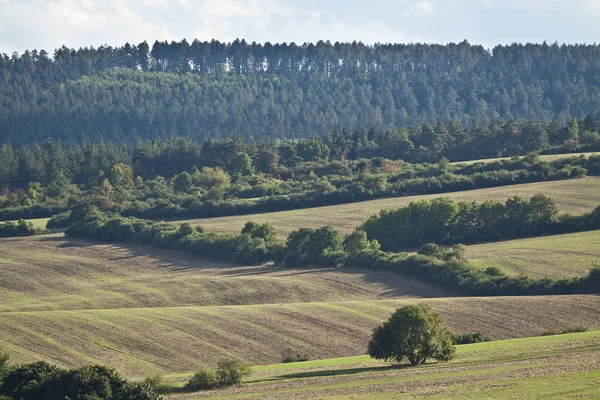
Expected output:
{"points": [[49, 24]]}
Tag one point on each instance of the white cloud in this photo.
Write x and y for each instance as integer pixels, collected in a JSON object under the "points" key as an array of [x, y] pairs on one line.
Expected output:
{"points": [[420, 8], [48, 24], [594, 3]]}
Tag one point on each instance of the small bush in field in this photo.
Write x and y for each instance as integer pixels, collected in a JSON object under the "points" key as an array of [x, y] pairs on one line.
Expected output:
{"points": [[203, 379], [290, 356]]}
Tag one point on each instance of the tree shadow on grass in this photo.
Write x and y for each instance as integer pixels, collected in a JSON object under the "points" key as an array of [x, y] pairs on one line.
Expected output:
{"points": [[339, 372]]}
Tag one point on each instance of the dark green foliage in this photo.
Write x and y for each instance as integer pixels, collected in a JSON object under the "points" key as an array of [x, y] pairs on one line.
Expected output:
{"points": [[20, 228], [458, 276], [213, 89], [468, 338], [42, 381], [211, 193], [575, 329], [243, 248], [414, 332], [444, 221], [319, 247], [203, 379], [291, 356], [264, 231], [229, 372]]}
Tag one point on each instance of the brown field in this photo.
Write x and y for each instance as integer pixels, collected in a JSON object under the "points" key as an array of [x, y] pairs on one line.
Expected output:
{"points": [[143, 342], [56, 273], [575, 196]]}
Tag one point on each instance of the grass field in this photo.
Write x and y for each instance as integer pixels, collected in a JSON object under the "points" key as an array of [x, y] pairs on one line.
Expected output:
{"points": [[548, 157], [52, 272], [38, 222], [556, 257], [575, 196], [551, 367], [142, 342]]}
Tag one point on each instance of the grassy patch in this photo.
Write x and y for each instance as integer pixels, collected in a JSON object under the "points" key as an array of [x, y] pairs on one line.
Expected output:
{"points": [[524, 368], [576, 196], [556, 257]]}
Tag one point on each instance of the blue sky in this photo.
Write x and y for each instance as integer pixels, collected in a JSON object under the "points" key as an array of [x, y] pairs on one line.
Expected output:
{"points": [[47, 24]]}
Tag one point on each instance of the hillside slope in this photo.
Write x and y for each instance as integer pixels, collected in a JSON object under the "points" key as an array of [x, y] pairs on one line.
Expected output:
{"points": [[575, 196], [142, 342], [57, 273]]}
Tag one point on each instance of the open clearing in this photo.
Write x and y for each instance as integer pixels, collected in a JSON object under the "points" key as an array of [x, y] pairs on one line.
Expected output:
{"points": [[547, 157], [53, 272], [143, 342], [575, 196], [556, 257], [551, 367]]}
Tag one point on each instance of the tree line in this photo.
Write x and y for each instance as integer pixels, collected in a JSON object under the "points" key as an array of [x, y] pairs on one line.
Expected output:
{"points": [[265, 91], [325, 247]]}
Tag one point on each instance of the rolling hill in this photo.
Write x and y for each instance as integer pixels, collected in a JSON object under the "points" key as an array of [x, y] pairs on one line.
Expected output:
{"points": [[555, 257], [575, 196], [145, 341], [552, 367]]}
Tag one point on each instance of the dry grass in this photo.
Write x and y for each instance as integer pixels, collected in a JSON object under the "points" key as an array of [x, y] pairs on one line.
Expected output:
{"points": [[556, 257], [575, 196], [55, 273], [142, 342], [548, 157]]}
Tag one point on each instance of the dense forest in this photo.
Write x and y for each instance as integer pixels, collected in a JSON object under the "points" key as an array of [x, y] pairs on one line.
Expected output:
{"points": [[265, 91]]}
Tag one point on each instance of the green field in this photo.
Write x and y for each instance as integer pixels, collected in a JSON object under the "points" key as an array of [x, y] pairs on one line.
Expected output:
{"points": [[548, 157], [550, 367], [38, 222], [556, 257], [575, 196]]}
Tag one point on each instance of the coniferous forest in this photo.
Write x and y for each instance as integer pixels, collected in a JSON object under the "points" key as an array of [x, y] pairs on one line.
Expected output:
{"points": [[265, 91]]}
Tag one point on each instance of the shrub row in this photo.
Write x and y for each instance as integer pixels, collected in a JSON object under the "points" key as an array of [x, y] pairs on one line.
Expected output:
{"points": [[445, 221], [325, 247], [21, 228], [43, 381], [255, 245]]}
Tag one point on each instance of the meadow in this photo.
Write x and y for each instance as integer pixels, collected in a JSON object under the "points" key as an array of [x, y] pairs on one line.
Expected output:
{"points": [[545, 157], [556, 257], [522, 368], [574, 196]]}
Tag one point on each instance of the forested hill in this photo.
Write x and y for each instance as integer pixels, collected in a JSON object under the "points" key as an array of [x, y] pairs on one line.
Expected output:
{"points": [[213, 89]]}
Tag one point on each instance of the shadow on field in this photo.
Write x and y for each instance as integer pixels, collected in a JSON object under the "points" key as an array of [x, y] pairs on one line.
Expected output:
{"points": [[338, 372]]}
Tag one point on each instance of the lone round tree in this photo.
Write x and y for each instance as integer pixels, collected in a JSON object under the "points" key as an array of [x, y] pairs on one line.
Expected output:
{"points": [[415, 333]]}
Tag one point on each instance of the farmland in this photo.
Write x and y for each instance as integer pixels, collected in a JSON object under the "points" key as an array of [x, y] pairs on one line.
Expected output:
{"points": [[574, 196], [52, 272], [523, 368], [144, 341], [546, 157], [557, 257]]}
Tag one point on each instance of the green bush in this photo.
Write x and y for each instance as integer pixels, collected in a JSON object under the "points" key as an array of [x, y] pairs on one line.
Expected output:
{"points": [[203, 379], [290, 356], [468, 338], [231, 371]]}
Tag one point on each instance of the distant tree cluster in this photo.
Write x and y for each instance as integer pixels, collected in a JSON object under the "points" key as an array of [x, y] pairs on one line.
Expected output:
{"points": [[445, 221], [214, 89], [20, 228], [183, 178]]}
